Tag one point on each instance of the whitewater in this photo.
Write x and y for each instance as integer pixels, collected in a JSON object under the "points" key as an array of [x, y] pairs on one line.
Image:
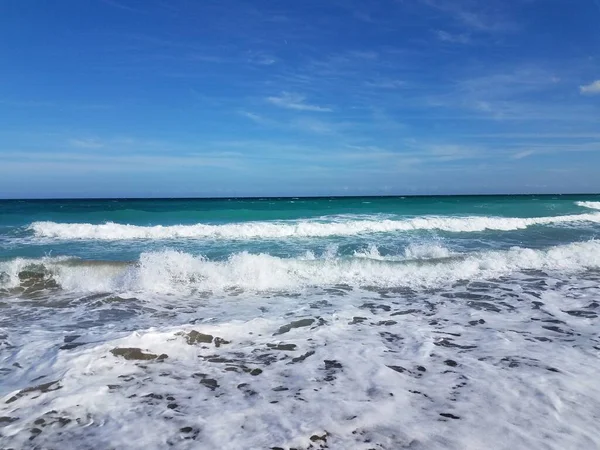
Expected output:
{"points": [[380, 322], [269, 230]]}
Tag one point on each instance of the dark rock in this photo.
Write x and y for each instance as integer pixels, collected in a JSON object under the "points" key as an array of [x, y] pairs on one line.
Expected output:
{"points": [[154, 396], [220, 341], [42, 388], [556, 329], [210, 383], [303, 357], [402, 313], [450, 363], [255, 372], [296, 324], [71, 345], [390, 337], [219, 359], [582, 313], [357, 319], [62, 421], [332, 364], [477, 322], [194, 337], [447, 342], [133, 353], [315, 437], [186, 429], [284, 347], [172, 405], [387, 322], [398, 369], [449, 416], [34, 433], [4, 420]]}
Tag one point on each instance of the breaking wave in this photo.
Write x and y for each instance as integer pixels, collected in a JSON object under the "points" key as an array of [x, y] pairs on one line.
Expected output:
{"points": [[302, 229], [591, 205], [178, 272]]}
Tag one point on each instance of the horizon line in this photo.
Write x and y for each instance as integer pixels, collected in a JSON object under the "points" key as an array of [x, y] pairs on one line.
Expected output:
{"points": [[295, 197]]}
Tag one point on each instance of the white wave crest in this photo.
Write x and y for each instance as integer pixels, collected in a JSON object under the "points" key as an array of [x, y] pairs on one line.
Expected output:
{"points": [[301, 229], [414, 251], [182, 273], [591, 205]]}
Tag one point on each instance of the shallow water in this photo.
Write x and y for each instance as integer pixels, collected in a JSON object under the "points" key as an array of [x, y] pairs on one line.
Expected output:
{"points": [[424, 323]]}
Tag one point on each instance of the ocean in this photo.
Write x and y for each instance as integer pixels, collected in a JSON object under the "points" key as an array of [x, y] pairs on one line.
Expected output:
{"points": [[451, 322]]}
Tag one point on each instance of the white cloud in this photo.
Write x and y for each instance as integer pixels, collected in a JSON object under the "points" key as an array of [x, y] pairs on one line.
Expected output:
{"points": [[290, 100], [591, 89]]}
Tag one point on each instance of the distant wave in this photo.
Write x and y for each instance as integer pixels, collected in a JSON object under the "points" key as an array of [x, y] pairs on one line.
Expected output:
{"points": [[182, 273], [299, 229], [591, 205]]}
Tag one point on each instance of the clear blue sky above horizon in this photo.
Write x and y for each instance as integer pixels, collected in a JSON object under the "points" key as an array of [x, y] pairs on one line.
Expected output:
{"points": [[112, 98]]}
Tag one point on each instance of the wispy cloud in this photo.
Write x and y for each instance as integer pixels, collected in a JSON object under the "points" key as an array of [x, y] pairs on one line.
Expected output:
{"points": [[476, 16], [121, 162], [121, 5], [86, 143], [523, 154], [507, 94], [386, 84], [257, 118], [461, 38], [314, 126], [261, 59], [590, 89], [291, 100]]}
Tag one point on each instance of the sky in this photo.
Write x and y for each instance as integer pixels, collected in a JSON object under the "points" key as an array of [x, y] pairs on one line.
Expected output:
{"points": [[159, 98]]}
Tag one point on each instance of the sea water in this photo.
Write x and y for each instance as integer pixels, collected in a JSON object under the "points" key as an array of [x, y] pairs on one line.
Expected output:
{"points": [[342, 323]]}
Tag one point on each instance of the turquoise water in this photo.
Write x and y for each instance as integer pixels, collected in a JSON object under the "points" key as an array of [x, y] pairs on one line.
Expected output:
{"points": [[388, 322], [18, 239]]}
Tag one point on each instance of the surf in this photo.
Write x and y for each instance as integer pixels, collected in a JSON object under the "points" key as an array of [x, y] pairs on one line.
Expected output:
{"points": [[176, 272], [112, 231]]}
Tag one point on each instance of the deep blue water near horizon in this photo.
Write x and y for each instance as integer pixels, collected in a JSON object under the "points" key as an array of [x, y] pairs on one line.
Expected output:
{"points": [[443, 322]]}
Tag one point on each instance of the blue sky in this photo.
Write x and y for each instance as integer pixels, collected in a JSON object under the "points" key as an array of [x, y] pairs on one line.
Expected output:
{"points": [[227, 98]]}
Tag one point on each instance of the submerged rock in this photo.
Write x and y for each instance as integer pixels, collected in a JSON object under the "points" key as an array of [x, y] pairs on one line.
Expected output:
{"points": [[134, 353], [194, 337], [42, 388], [220, 341], [284, 347], [295, 324]]}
